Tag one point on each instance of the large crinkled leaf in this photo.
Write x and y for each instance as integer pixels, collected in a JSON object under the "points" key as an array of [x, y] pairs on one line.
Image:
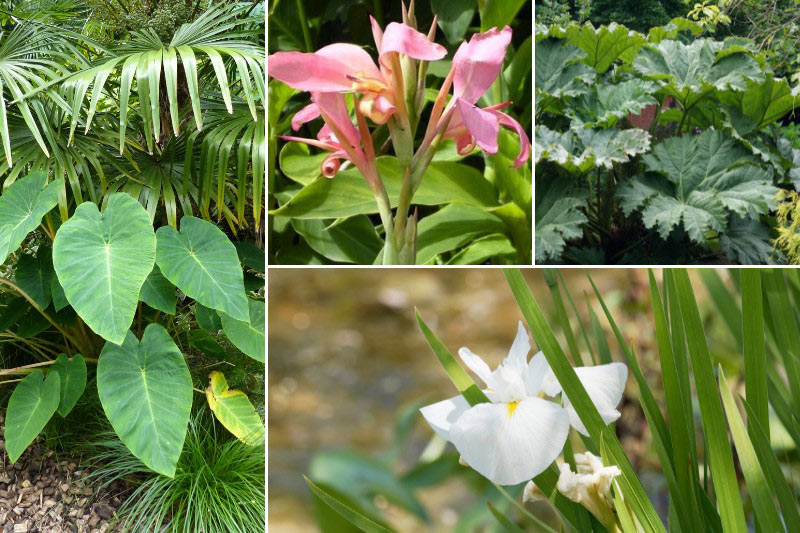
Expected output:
{"points": [[202, 262], [703, 178], [146, 392], [748, 242], [22, 206], [72, 371], [761, 104], [607, 104], [34, 275], [558, 216], [689, 72], [234, 410], [102, 260], [560, 71], [582, 150], [31, 405], [673, 29], [605, 45], [248, 336]]}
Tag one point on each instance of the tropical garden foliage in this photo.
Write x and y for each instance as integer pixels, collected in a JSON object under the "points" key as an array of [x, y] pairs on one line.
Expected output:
{"points": [[413, 162], [662, 147], [131, 222], [538, 439]]}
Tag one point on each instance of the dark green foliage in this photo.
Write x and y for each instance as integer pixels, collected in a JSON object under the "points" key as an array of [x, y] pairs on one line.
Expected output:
{"points": [[639, 15]]}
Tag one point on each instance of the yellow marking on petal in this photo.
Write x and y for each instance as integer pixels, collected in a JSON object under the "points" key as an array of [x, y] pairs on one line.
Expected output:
{"points": [[512, 406]]}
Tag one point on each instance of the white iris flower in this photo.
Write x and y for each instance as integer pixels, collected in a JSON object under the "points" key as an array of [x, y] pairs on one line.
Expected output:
{"points": [[520, 433]]}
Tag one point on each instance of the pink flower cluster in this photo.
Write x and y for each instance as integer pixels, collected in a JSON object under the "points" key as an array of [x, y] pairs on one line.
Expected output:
{"points": [[341, 68]]}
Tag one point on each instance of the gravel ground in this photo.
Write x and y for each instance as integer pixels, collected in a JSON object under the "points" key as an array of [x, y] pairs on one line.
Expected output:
{"points": [[43, 493]]}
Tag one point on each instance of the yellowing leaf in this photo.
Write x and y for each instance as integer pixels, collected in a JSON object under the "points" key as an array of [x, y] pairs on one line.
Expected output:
{"points": [[234, 410]]}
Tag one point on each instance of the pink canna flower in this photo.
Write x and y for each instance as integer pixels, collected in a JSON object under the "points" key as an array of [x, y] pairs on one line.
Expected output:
{"points": [[343, 67], [476, 65]]}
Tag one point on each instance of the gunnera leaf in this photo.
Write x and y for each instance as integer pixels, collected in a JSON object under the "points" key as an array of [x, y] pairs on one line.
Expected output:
{"points": [[761, 104], [748, 242], [558, 216], [605, 45], [580, 151], [699, 181], [559, 70], [608, 104]]}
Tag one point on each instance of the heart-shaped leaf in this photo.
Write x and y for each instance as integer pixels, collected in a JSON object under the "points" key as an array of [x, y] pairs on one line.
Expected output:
{"points": [[247, 336], [208, 319], [234, 410], [202, 262], [72, 372], [146, 392], [31, 405], [206, 343], [102, 261], [57, 293], [34, 275], [158, 292], [22, 207]]}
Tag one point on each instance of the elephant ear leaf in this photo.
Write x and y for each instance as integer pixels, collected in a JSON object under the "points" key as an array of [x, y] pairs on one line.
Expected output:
{"points": [[146, 392], [234, 410], [72, 373], [159, 293], [202, 262], [247, 336], [31, 405], [22, 206], [102, 261], [703, 178], [34, 275]]}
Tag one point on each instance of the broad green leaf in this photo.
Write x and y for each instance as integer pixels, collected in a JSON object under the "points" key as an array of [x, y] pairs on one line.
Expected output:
{"points": [[251, 256], [757, 484], [202, 262], [299, 165], [146, 392], [689, 71], [353, 240], [559, 70], [607, 104], [57, 293], [248, 336], [234, 410], [492, 246], [362, 522], [605, 45], [348, 193], [202, 340], [558, 216], [72, 371], [763, 103], [748, 242], [718, 450], [158, 292], [451, 227], [580, 151], [34, 275], [31, 405], [208, 319], [22, 206], [704, 178], [471, 392], [102, 261], [499, 13], [454, 17]]}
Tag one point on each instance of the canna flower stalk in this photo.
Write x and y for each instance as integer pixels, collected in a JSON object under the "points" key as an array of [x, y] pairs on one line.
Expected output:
{"points": [[389, 92]]}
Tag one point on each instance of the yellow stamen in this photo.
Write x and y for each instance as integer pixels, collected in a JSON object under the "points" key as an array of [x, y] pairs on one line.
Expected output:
{"points": [[512, 406]]}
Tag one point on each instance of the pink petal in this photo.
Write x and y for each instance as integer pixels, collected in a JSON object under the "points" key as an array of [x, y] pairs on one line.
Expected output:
{"points": [[330, 165], [307, 114], [478, 62], [377, 32], [482, 125], [356, 60], [406, 40], [326, 135], [524, 142], [334, 107], [311, 142], [309, 72]]}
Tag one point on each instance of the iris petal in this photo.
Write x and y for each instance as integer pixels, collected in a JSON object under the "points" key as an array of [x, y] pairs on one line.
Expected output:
{"points": [[441, 415]]}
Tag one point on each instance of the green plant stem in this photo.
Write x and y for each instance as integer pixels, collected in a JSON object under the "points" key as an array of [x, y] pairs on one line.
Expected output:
{"points": [[385, 211], [525, 512], [301, 12], [25, 295]]}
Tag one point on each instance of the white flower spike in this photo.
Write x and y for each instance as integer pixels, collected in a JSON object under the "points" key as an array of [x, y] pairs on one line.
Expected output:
{"points": [[519, 433]]}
